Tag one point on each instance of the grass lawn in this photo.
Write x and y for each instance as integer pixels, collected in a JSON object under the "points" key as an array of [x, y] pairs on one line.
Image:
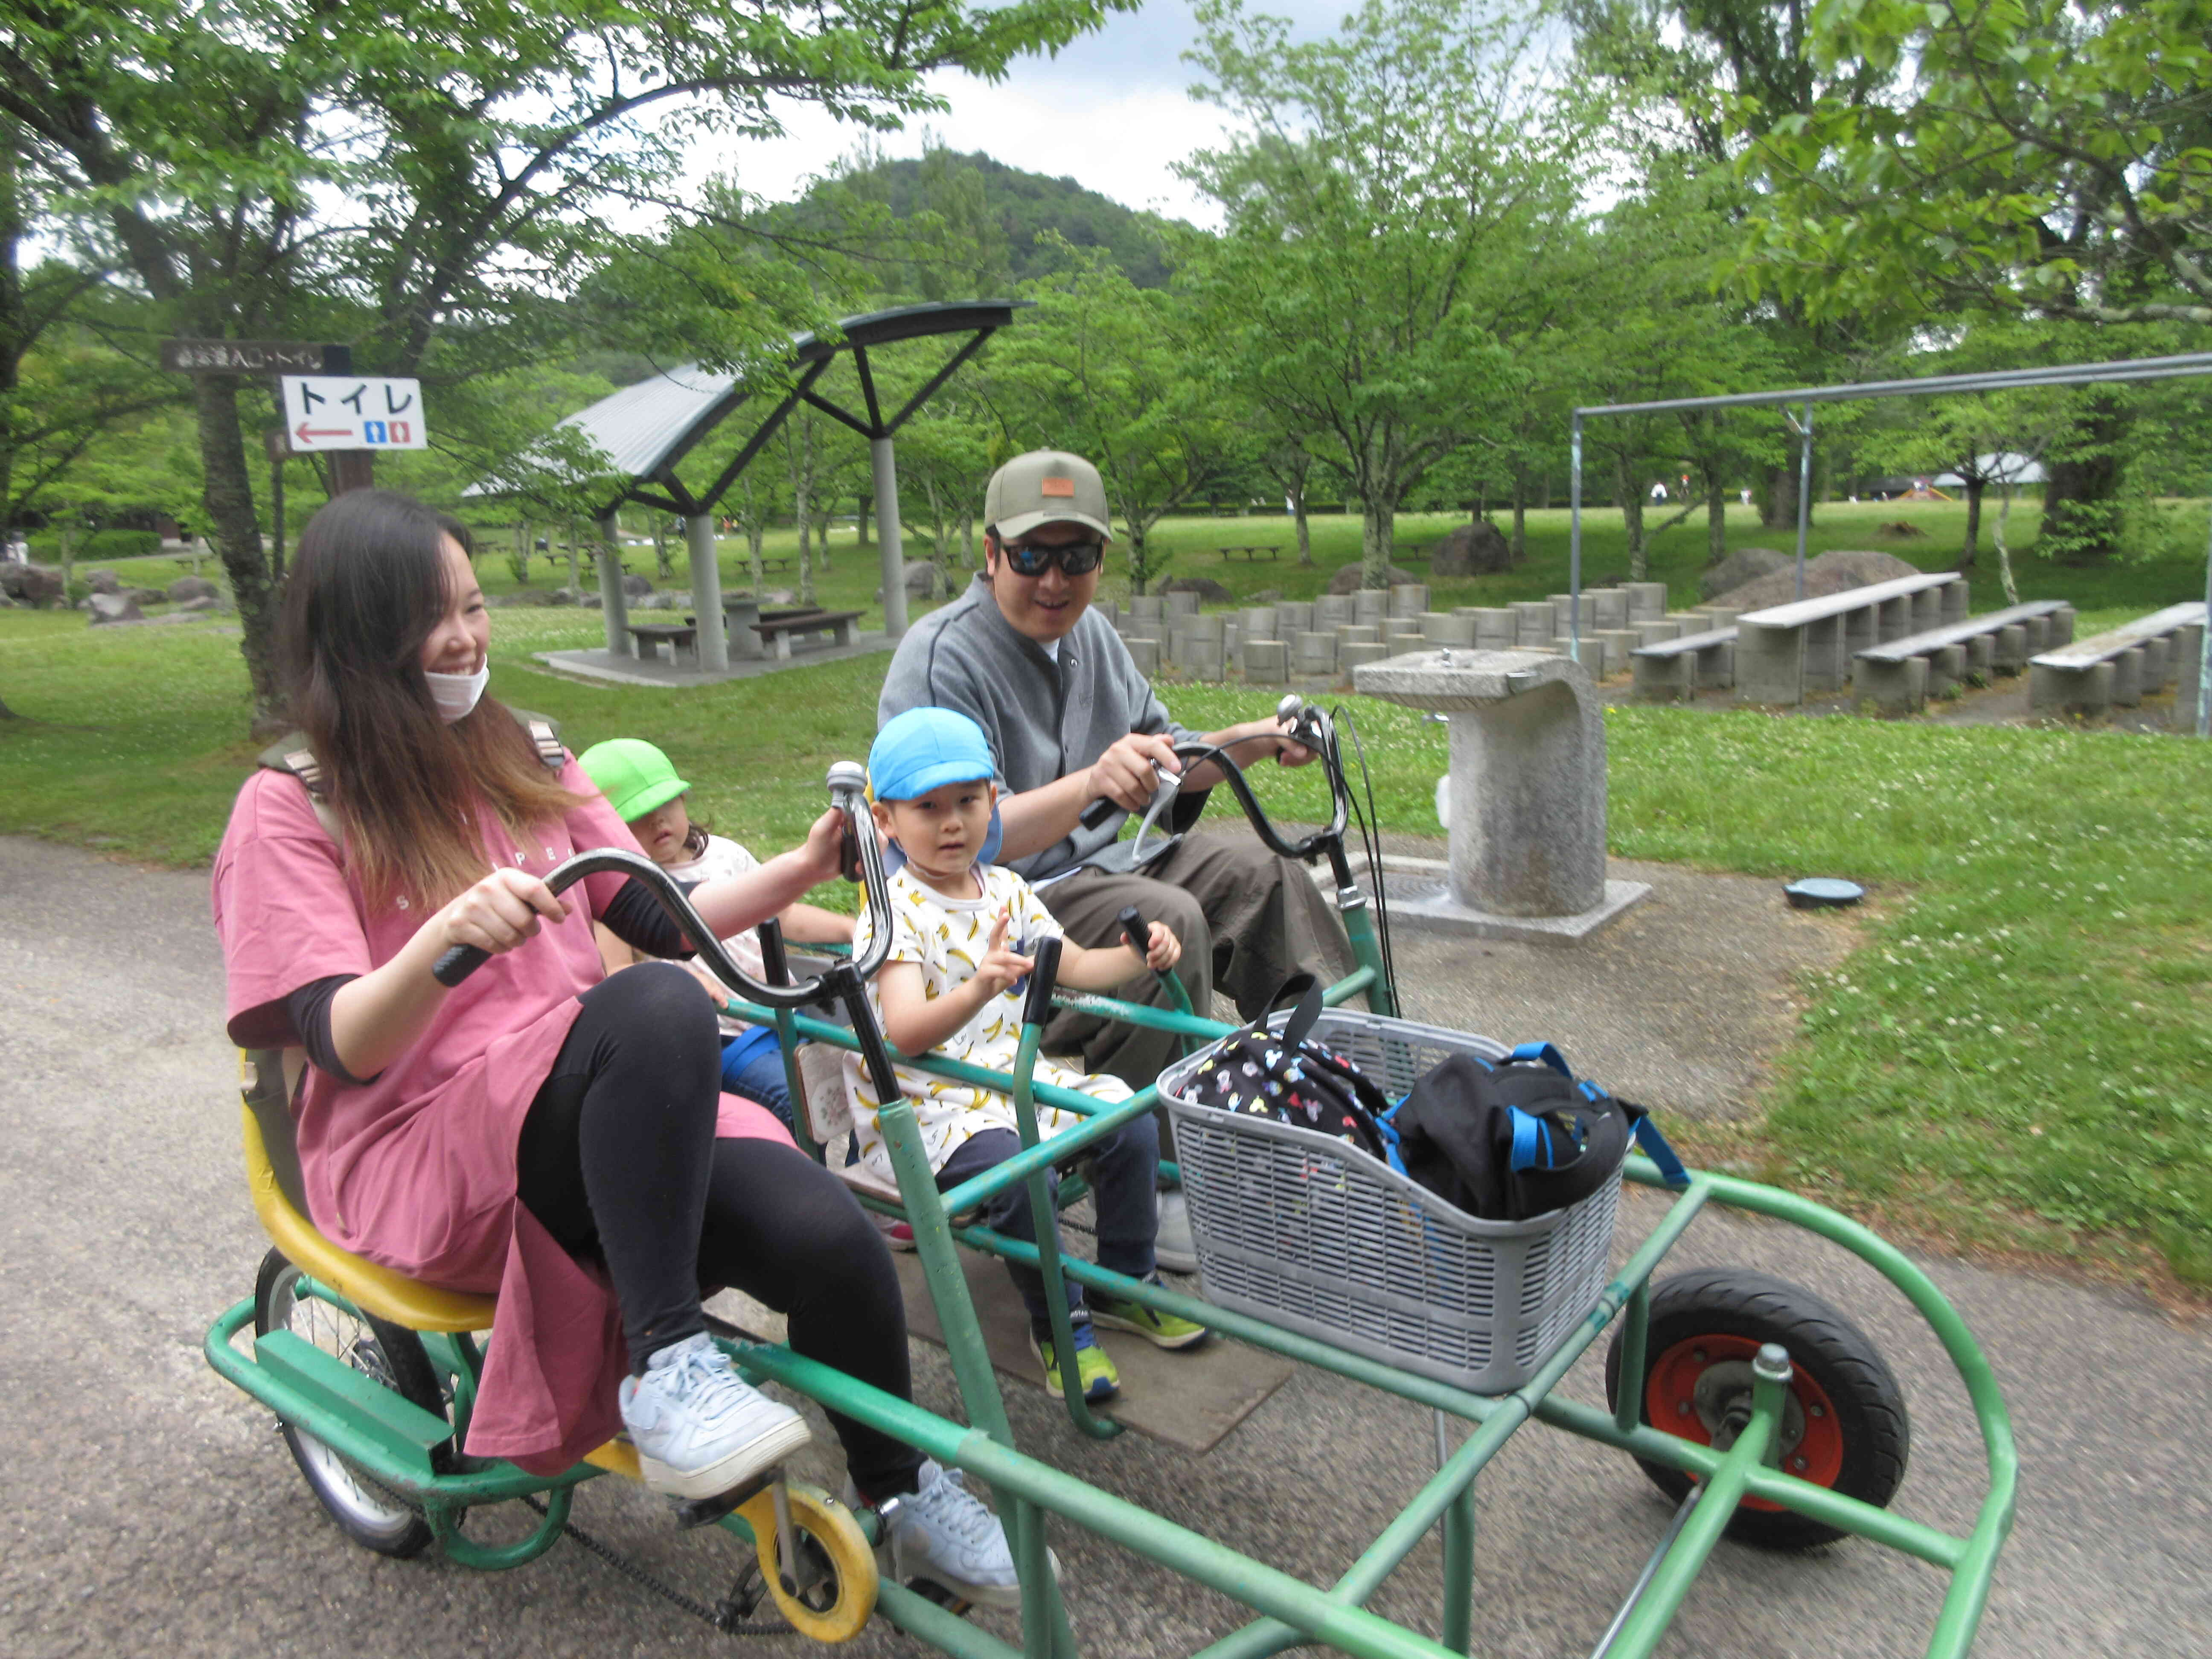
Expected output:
{"points": [[2015, 1061]]}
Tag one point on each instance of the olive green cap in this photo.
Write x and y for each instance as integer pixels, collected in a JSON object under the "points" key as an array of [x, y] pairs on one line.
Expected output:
{"points": [[1046, 486]]}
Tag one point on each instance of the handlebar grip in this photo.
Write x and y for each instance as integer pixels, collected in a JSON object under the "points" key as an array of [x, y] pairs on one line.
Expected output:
{"points": [[1133, 930], [1036, 1008], [457, 963], [1098, 812]]}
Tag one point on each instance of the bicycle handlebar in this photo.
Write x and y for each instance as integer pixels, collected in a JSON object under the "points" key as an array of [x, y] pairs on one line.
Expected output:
{"points": [[847, 793]]}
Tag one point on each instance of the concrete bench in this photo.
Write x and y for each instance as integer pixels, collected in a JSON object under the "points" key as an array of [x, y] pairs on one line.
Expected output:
{"points": [[2123, 666], [1808, 644], [678, 637], [1901, 676], [1671, 671], [777, 629], [1251, 554]]}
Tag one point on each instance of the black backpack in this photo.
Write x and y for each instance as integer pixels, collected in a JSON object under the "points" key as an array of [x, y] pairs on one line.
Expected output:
{"points": [[1288, 1076], [1512, 1140]]}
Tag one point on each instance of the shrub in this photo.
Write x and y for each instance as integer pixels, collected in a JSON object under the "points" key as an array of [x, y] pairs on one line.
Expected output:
{"points": [[47, 548]]}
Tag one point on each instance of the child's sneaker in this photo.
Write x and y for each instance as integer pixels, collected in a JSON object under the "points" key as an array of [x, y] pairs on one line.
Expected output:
{"points": [[699, 1429], [1161, 1330], [1100, 1379], [942, 1532]]}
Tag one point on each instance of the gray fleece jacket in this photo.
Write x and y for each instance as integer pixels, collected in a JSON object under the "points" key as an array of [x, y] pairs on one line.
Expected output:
{"points": [[1045, 719]]}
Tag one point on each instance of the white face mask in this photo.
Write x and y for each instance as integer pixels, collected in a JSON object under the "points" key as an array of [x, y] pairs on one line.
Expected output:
{"points": [[457, 694]]}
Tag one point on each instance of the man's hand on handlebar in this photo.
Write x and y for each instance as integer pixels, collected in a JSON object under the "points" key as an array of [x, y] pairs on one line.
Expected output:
{"points": [[1126, 773], [500, 912]]}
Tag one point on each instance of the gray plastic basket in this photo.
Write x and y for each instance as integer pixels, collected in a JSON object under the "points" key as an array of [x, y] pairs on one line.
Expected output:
{"points": [[1302, 1231]]}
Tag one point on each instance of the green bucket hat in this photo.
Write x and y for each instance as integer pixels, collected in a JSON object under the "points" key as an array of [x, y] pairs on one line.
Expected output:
{"points": [[634, 775]]}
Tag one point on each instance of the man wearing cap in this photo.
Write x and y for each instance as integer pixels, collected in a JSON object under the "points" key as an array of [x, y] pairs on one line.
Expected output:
{"points": [[1072, 721]]}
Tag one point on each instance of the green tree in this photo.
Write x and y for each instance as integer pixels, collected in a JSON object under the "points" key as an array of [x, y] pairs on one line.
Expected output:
{"points": [[1395, 211], [467, 154], [1105, 369]]}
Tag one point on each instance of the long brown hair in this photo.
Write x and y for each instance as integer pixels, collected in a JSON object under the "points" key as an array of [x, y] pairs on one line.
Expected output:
{"points": [[367, 588]]}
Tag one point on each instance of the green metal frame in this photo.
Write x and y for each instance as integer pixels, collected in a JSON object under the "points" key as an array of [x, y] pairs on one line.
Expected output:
{"points": [[1288, 1614]]}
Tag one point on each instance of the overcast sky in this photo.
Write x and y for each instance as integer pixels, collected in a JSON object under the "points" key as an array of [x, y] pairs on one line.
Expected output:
{"points": [[1113, 112]]}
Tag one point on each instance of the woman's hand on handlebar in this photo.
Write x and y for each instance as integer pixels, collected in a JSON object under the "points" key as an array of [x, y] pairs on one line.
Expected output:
{"points": [[499, 913], [823, 851]]}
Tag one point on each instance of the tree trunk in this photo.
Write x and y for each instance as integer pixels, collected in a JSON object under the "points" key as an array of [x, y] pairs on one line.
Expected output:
{"points": [[1975, 486], [1377, 518], [1631, 513], [968, 541], [1716, 521], [2081, 503], [940, 553], [575, 574], [68, 541], [860, 518], [1997, 537], [664, 557], [1518, 545], [227, 497], [522, 551], [1304, 528], [802, 492], [1778, 503]]}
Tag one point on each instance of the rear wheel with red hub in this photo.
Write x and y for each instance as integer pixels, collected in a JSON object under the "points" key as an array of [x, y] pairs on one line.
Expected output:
{"points": [[1843, 1422]]}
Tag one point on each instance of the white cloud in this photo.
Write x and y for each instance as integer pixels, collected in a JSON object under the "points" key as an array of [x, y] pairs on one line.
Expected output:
{"points": [[1113, 112]]}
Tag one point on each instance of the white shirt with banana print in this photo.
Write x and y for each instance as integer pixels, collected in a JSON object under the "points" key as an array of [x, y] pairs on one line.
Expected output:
{"points": [[946, 937]]}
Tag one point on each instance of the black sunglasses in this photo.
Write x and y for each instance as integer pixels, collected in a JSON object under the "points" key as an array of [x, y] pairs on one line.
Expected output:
{"points": [[1075, 558]]}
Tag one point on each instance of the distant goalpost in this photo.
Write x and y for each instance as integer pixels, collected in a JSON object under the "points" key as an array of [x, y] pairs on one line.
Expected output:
{"points": [[2141, 368]]}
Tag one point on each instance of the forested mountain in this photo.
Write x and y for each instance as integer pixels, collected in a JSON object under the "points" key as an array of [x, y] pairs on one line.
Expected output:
{"points": [[979, 222]]}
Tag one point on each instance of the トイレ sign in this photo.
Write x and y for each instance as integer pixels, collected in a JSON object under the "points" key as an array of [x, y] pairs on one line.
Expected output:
{"points": [[351, 411]]}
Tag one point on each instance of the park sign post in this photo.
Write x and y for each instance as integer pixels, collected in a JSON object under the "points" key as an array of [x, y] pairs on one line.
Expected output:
{"points": [[350, 412]]}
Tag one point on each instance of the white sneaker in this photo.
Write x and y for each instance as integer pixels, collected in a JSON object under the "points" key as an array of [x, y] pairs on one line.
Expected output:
{"points": [[1174, 1248], [699, 1430], [942, 1532]]}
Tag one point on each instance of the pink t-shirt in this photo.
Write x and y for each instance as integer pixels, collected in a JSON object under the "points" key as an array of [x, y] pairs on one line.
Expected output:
{"points": [[416, 1169]]}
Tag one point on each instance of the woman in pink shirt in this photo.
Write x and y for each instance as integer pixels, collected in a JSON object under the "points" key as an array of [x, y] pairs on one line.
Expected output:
{"points": [[540, 1131]]}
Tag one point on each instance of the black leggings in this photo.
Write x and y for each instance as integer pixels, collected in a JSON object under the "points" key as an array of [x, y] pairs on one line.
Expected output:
{"points": [[618, 1160]]}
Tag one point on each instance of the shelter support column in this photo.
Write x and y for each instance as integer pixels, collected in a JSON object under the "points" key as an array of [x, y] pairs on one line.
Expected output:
{"points": [[613, 604], [885, 469], [706, 593]]}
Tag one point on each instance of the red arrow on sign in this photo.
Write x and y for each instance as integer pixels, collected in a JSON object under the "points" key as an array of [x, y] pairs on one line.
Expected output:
{"points": [[308, 432]]}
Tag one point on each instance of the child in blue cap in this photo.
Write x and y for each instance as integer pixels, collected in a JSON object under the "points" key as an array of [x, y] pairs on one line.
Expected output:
{"points": [[962, 929]]}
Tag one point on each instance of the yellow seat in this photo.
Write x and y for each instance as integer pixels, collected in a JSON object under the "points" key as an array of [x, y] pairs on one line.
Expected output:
{"points": [[373, 1290]]}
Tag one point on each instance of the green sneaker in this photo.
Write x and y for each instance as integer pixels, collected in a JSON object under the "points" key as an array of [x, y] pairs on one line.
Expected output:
{"points": [[1161, 1330], [1100, 1379]]}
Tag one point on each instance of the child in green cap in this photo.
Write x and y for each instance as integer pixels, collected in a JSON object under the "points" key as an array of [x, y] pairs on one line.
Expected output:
{"points": [[641, 785]]}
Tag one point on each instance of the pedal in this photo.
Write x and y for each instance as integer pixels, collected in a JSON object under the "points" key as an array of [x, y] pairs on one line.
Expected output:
{"points": [[705, 1511]]}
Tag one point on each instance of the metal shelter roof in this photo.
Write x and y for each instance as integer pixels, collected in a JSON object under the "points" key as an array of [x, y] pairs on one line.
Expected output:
{"points": [[646, 429]]}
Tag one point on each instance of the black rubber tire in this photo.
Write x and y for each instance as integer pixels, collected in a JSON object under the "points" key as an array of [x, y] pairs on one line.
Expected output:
{"points": [[1835, 1353], [374, 1519]]}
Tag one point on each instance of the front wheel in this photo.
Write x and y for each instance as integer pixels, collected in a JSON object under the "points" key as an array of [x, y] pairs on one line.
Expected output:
{"points": [[374, 1519], [1843, 1422], [832, 1587]]}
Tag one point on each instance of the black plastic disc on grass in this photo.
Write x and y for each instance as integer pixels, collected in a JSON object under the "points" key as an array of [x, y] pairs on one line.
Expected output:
{"points": [[1822, 893]]}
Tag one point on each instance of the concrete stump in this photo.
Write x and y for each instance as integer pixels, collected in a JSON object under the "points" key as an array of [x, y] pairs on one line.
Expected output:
{"points": [[2038, 633], [1295, 617], [2062, 625], [1259, 623], [1611, 606], [1653, 630], [1647, 601], [1266, 662], [1825, 661], [1369, 606], [1409, 598], [1535, 622], [1329, 612], [1175, 643], [1893, 688], [1145, 654], [1147, 608], [2128, 678], [1350, 657], [2188, 671], [1618, 642], [1893, 621], [1770, 664], [1717, 616], [1358, 633], [1182, 604], [1957, 598], [1564, 605], [1528, 791], [1204, 628], [1947, 667], [1927, 609], [1861, 628], [1691, 621], [1981, 654], [1495, 628], [1400, 638], [1593, 658], [2070, 691], [1442, 628], [2010, 655], [1317, 653], [1717, 664], [2157, 666], [1671, 678], [1232, 644]]}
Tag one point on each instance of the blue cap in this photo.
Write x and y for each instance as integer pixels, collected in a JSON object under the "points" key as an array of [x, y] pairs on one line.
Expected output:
{"points": [[926, 748]]}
